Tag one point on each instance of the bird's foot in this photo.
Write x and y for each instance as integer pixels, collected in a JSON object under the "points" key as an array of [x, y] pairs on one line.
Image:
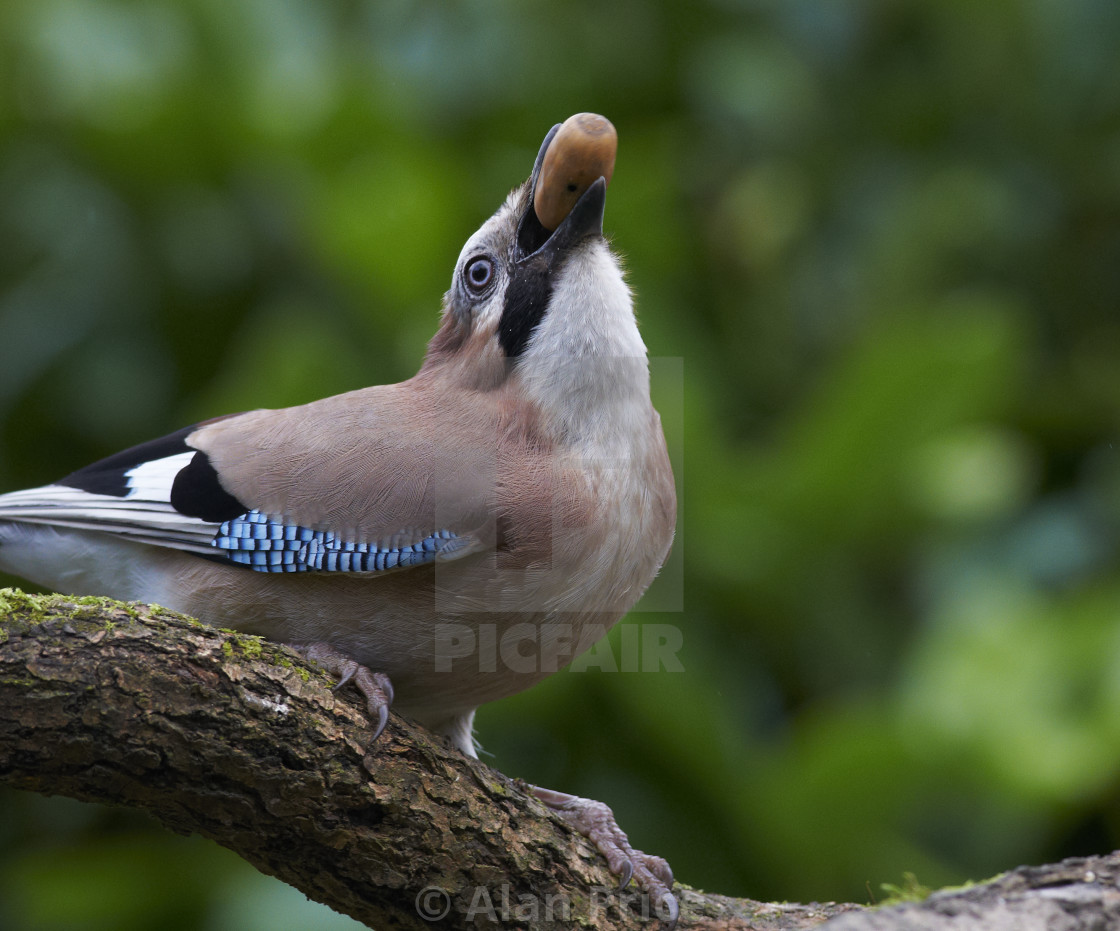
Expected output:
{"points": [[375, 686], [596, 822]]}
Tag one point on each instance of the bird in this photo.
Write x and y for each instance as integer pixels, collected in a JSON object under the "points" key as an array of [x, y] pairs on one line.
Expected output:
{"points": [[517, 486]]}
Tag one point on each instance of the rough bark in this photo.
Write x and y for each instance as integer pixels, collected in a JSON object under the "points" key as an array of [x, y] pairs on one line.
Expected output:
{"points": [[1079, 894], [240, 740]]}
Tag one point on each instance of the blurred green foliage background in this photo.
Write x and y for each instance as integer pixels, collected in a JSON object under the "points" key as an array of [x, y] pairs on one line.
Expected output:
{"points": [[883, 237]]}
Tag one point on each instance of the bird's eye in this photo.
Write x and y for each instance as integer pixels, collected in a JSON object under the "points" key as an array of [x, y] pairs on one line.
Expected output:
{"points": [[479, 273]]}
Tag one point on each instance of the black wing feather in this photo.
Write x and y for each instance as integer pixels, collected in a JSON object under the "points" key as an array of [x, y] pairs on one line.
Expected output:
{"points": [[109, 476], [197, 492]]}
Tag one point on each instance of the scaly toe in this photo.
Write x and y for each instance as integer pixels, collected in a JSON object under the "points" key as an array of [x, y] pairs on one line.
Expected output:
{"points": [[596, 822], [375, 686]]}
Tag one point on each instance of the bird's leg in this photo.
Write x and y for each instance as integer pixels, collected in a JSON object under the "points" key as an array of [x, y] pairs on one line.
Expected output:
{"points": [[596, 822], [375, 686]]}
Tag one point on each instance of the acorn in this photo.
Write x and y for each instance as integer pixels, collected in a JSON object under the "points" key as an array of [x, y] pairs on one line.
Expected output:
{"points": [[582, 151]]}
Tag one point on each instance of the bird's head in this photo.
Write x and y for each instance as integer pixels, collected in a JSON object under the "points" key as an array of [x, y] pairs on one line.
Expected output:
{"points": [[537, 295]]}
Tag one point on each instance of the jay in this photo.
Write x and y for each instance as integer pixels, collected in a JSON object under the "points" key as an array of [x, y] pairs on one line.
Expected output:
{"points": [[519, 478]]}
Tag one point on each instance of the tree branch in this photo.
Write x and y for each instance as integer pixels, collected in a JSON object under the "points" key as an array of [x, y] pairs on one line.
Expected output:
{"points": [[240, 740]]}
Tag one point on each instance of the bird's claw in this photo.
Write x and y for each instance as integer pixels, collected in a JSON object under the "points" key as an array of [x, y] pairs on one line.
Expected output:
{"points": [[596, 822], [375, 686], [382, 720]]}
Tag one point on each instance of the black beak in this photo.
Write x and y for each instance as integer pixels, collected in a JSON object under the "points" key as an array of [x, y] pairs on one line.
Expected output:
{"points": [[586, 219], [539, 256]]}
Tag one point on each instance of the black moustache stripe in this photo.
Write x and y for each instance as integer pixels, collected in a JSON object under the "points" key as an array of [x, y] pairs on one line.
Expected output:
{"points": [[527, 299]]}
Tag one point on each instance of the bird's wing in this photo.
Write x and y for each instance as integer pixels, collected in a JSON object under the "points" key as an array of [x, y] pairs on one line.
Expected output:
{"points": [[379, 479], [127, 494]]}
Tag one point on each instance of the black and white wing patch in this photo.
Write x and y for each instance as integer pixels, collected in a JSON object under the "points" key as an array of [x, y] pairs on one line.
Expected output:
{"points": [[166, 493], [126, 494]]}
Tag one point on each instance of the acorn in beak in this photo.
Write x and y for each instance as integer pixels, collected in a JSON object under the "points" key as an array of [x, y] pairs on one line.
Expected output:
{"points": [[568, 191], [569, 184]]}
